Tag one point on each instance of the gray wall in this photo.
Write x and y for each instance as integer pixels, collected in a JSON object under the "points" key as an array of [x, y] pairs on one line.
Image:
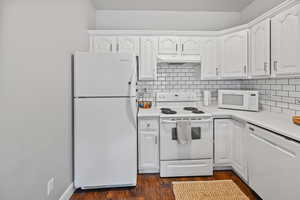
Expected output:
{"points": [[257, 8], [37, 38], [166, 20]]}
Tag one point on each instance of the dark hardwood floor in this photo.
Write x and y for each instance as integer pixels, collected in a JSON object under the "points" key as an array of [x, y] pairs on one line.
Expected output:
{"points": [[152, 187]]}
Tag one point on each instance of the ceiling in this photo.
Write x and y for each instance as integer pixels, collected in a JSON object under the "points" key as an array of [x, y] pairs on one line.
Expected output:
{"points": [[173, 5]]}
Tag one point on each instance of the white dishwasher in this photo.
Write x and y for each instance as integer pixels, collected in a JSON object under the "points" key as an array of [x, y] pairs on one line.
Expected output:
{"points": [[273, 164]]}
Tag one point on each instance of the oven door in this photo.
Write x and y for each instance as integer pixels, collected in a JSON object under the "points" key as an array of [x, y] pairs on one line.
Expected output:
{"points": [[201, 146]]}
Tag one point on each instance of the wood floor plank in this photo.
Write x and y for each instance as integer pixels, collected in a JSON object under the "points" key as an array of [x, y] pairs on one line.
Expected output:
{"points": [[152, 187]]}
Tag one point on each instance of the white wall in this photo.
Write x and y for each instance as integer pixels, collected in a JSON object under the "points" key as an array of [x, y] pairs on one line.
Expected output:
{"points": [[166, 20], [257, 8], [36, 41]]}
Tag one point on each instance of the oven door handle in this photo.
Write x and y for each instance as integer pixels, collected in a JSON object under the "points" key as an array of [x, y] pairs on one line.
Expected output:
{"points": [[193, 121]]}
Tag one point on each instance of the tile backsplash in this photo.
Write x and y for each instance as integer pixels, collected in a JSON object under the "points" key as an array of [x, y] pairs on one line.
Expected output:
{"points": [[277, 95], [183, 78]]}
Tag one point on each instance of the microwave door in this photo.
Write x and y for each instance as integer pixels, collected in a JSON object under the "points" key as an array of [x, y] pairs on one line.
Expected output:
{"points": [[233, 101]]}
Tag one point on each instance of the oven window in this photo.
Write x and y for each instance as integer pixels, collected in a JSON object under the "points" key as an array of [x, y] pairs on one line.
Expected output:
{"points": [[233, 99], [196, 133]]}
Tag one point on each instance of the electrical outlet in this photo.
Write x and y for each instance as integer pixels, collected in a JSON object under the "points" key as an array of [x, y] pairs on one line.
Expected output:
{"points": [[50, 186]]}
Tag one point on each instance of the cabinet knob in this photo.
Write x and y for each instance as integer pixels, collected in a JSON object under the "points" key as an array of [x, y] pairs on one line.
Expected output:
{"points": [[148, 125]]}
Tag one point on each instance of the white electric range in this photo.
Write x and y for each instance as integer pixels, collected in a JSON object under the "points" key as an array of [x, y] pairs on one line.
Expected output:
{"points": [[196, 157]]}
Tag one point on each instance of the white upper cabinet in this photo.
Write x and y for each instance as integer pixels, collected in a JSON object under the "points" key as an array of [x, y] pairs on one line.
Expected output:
{"points": [[104, 44], [260, 49], [128, 44], [111, 44], [179, 45], [209, 64], [235, 55], [190, 46], [168, 45], [148, 58], [286, 42]]}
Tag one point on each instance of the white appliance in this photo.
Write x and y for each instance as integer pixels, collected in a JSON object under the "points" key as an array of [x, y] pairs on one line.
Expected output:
{"points": [[196, 157], [239, 100], [105, 134]]}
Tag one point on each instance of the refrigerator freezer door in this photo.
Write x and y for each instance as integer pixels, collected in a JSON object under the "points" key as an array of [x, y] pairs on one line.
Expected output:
{"points": [[105, 143], [108, 75]]}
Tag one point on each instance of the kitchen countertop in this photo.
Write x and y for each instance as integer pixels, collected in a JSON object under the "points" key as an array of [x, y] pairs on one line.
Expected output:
{"points": [[280, 123], [153, 112]]}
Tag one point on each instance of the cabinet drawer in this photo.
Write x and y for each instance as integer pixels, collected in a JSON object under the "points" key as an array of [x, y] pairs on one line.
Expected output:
{"points": [[186, 168], [148, 124]]}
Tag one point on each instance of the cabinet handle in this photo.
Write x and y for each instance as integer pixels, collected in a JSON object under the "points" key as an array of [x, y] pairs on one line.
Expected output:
{"points": [[217, 71], [245, 69], [275, 66], [182, 47], [251, 129], [118, 47], [111, 47], [156, 140], [176, 47]]}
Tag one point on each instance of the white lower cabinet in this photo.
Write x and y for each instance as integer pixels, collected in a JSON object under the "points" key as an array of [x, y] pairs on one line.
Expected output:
{"points": [[230, 143], [274, 163], [148, 143], [223, 142], [239, 156]]}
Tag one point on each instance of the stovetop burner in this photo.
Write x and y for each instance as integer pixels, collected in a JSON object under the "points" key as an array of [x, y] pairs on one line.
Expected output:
{"points": [[198, 112], [165, 109], [168, 112], [190, 108]]}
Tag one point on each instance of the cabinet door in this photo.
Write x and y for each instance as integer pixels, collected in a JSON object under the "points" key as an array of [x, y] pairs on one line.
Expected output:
{"points": [[105, 44], [223, 142], [148, 152], [239, 160], [235, 54], [286, 42], [128, 45], [260, 49], [273, 165], [209, 66], [168, 45], [190, 46], [148, 58]]}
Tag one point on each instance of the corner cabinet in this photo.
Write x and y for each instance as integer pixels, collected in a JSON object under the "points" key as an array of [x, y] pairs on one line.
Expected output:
{"points": [[148, 145], [230, 145], [239, 155], [223, 142], [286, 42], [148, 58], [260, 49], [234, 55], [274, 163]]}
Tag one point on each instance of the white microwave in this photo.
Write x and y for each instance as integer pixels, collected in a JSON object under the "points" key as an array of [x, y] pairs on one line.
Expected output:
{"points": [[238, 100]]}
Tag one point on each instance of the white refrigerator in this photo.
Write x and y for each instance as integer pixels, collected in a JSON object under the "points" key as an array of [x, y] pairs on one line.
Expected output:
{"points": [[105, 134]]}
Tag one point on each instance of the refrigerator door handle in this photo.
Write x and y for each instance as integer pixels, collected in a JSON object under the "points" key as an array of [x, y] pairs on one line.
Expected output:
{"points": [[133, 110], [132, 97]]}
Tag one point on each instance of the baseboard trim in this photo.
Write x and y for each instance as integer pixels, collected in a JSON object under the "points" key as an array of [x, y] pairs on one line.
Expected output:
{"points": [[68, 193]]}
